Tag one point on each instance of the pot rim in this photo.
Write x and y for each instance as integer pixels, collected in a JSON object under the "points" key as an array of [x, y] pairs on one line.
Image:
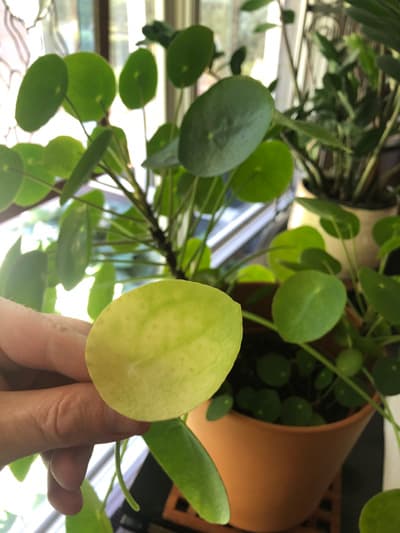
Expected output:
{"points": [[332, 426]]}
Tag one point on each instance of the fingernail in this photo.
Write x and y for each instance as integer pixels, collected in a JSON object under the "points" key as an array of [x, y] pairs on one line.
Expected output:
{"points": [[125, 426]]}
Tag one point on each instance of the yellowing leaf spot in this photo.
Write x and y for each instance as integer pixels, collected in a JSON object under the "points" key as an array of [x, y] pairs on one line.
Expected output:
{"points": [[5, 168], [185, 68]]}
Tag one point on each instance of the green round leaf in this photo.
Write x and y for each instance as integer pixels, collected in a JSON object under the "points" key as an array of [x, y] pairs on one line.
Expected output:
{"points": [[317, 420], [102, 291], [289, 246], [323, 379], [61, 156], [162, 137], [224, 126], [138, 79], [219, 407], [273, 369], [342, 230], [27, 283], [92, 518], [336, 221], [266, 405], [91, 86], [307, 305], [7, 265], [245, 398], [317, 259], [32, 191], [346, 395], [11, 176], [382, 293], [385, 229], [87, 163], [157, 377], [252, 273], [73, 247], [42, 92], [166, 158], [191, 469], [161, 141], [381, 513], [386, 374], [296, 411], [116, 155], [305, 363], [189, 53], [264, 175], [350, 362]]}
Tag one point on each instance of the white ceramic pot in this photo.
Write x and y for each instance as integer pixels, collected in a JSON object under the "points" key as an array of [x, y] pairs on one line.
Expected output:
{"points": [[363, 248]]}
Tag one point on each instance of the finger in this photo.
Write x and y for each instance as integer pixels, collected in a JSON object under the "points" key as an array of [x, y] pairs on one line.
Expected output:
{"points": [[61, 417], [68, 466], [41, 341], [64, 501]]}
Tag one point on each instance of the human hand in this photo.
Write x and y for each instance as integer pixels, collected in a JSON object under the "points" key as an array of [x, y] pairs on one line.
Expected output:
{"points": [[48, 404]]}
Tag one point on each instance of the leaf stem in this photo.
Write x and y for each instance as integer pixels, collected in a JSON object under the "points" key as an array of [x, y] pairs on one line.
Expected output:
{"points": [[128, 496]]}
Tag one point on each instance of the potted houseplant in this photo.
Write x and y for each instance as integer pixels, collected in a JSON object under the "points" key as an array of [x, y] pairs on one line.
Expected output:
{"points": [[357, 102], [282, 384], [193, 169]]}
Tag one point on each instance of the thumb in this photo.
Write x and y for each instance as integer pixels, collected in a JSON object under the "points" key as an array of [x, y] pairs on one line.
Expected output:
{"points": [[60, 417]]}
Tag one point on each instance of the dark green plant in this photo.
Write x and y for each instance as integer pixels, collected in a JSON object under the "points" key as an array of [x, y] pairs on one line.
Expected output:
{"points": [[357, 103], [363, 324]]}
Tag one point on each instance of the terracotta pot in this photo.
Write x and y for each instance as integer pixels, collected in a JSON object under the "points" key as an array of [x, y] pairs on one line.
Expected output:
{"points": [[363, 245], [275, 475]]}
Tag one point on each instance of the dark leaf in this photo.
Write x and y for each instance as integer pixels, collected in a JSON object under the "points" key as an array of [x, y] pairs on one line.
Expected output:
{"points": [[28, 281], [219, 406], [74, 246], [189, 54], [237, 59], [189, 466], [41, 92], [224, 126], [138, 79], [85, 166]]}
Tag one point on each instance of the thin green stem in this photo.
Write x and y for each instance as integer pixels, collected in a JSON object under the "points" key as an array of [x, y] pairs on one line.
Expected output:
{"points": [[374, 325], [128, 496]]}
